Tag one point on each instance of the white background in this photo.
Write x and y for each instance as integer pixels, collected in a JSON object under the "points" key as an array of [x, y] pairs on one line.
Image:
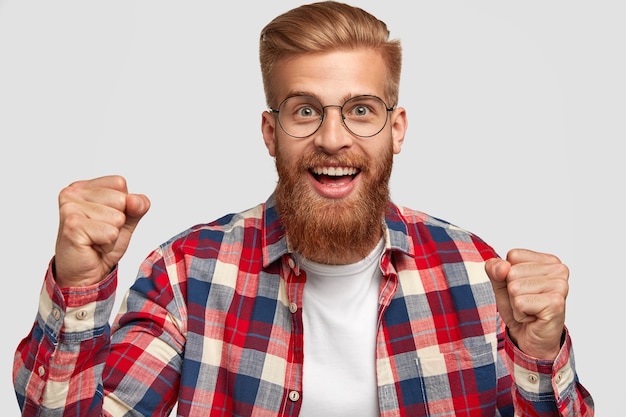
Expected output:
{"points": [[516, 132]]}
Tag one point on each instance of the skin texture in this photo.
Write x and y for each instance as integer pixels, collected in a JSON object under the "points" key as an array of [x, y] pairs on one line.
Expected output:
{"points": [[98, 216], [97, 219], [531, 289], [342, 220]]}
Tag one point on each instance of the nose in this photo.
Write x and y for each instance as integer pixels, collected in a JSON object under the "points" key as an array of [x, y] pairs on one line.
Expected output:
{"points": [[332, 135]]}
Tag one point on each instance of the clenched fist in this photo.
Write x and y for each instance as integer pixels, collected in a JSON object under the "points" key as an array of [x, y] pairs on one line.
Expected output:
{"points": [[531, 288], [97, 219]]}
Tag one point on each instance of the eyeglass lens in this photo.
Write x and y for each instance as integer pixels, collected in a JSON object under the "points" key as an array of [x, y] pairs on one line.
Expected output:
{"points": [[301, 116]]}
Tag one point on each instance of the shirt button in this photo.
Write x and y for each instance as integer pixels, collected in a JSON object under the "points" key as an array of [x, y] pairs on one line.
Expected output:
{"points": [[81, 314], [56, 313], [41, 370], [291, 263], [532, 378], [294, 396], [559, 377], [293, 307]]}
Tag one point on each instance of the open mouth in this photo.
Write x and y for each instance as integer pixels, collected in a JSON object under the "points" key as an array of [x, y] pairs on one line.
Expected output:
{"points": [[334, 175]]}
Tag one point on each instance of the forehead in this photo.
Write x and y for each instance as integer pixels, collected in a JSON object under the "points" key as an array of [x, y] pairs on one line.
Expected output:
{"points": [[331, 76]]}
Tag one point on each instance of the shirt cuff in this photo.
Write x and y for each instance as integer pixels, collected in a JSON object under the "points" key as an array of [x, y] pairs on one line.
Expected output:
{"points": [[78, 311], [539, 379]]}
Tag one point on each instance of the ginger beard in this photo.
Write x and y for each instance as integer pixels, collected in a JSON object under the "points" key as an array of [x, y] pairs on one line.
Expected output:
{"points": [[333, 231]]}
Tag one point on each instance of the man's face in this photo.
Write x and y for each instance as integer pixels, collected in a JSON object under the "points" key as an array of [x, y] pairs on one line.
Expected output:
{"points": [[333, 185]]}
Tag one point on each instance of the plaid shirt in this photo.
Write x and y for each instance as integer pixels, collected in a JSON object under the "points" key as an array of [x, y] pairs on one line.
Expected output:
{"points": [[214, 324]]}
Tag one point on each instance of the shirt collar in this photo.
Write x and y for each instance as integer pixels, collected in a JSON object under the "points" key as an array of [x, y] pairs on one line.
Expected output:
{"points": [[275, 243]]}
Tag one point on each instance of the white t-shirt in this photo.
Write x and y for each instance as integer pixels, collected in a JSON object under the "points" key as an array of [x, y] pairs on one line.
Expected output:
{"points": [[340, 309]]}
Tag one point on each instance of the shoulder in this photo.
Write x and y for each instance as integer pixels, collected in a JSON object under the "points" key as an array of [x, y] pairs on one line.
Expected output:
{"points": [[425, 231], [230, 228]]}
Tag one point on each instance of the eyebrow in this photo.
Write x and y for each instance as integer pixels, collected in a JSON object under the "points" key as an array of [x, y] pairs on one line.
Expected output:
{"points": [[318, 98]]}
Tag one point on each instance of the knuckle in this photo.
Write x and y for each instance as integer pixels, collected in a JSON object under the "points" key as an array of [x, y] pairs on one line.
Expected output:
{"points": [[518, 303], [72, 222], [68, 193], [515, 288], [557, 302], [561, 270], [553, 259], [108, 234], [563, 288], [118, 182], [117, 218]]}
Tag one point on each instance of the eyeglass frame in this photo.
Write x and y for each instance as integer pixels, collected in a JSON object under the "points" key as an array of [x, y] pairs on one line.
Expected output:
{"points": [[388, 109]]}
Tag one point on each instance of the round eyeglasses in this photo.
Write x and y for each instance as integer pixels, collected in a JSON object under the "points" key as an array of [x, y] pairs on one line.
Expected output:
{"points": [[301, 116]]}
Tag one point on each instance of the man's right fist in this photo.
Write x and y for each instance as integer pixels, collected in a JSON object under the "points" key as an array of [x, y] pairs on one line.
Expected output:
{"points": [[96, 220]]}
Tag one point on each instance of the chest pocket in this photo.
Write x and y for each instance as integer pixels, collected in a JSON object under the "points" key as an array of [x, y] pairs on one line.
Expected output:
{"points": [[460, 382]]}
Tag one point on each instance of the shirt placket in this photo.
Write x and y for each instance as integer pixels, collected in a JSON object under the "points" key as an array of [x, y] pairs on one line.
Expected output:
{"points": [[387, 396], [294, 279]]}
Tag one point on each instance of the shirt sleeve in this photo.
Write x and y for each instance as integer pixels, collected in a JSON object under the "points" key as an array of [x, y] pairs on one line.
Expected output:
{"points": [[142, 371], [73, 363], [58, 366], [547, 388]]}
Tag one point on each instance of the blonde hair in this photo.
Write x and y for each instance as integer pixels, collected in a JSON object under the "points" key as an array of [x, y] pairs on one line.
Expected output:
{"points": [[322, 27]]}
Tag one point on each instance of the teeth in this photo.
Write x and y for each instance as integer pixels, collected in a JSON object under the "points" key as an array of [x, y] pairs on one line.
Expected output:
{"points": [[335, 171]]}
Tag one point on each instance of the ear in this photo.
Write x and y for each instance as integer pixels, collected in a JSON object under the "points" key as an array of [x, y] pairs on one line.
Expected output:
{"points": [[268, 128], [399, 125]]}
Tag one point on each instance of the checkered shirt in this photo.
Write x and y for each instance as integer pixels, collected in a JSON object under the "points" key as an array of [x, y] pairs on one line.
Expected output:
{"points": [[213, 323]]}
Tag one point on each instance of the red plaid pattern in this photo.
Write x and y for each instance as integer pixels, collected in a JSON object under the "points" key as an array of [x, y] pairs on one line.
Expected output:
{"points": [[214, 324]]}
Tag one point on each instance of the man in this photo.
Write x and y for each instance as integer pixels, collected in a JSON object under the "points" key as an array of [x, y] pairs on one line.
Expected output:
{"points": [[326, 300]]}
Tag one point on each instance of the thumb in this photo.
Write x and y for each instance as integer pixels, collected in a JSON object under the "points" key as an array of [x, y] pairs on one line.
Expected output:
{"points": [[497, 269], [137, 205]]}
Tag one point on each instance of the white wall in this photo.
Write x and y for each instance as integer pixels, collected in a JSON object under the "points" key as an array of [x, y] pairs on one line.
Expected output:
{"points": [[516, 132]]}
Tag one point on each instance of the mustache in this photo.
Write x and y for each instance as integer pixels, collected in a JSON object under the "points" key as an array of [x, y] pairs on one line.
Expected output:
{"points": [[317, 159]]}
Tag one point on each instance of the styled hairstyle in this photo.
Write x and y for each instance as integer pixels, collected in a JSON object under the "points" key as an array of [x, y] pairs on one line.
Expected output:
{"points": [[322, 27]]}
